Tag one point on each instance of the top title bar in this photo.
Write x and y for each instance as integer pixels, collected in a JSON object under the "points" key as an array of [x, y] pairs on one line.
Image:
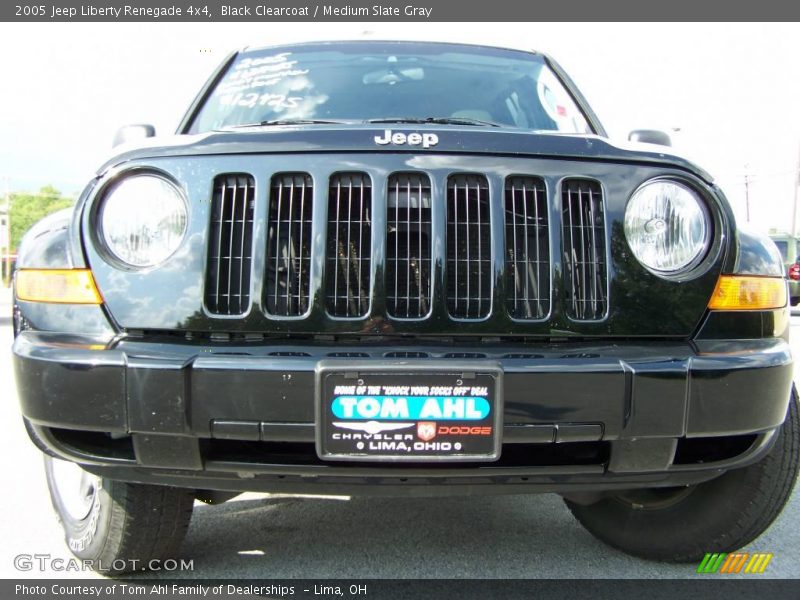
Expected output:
{"points": [[397, 10]]}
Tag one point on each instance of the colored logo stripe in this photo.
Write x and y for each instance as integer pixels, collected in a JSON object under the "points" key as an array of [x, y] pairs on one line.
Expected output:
{"points": [[759, 562], [711, 563], [736, 562]]}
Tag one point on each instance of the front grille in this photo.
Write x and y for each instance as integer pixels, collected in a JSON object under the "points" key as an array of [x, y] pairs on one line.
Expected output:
{"points": [[426, 242], [469, 256], [230, 245], [527, 248], [584, 240], [286, 290], [347, 289], [408, 245]]}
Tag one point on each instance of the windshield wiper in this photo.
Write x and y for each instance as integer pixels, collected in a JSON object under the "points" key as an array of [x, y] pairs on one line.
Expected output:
{"points": [[290, 122], [438, 121]]}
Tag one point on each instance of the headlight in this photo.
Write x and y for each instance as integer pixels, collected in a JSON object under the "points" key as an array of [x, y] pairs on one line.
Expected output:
{"points": [[667, 226], [143, 220]]}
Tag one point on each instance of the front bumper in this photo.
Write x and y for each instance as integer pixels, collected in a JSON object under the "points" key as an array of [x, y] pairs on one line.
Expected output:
{"points": [[578, 417]]}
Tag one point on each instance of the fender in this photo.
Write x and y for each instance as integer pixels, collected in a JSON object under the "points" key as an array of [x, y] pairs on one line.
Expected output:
{"points": [[753, 254], [53, 243], [756, 254], [47, 245]]}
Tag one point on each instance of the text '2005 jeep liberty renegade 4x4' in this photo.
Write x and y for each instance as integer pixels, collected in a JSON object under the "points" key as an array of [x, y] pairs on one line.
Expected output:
{"points": [[408, 269]]}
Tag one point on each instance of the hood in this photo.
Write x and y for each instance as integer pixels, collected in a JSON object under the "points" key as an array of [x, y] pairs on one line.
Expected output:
{"points": [[362, 138]]}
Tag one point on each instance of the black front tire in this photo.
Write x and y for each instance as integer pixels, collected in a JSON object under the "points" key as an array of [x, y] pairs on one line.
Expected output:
{"points": [[721, 515], [126, 526]]}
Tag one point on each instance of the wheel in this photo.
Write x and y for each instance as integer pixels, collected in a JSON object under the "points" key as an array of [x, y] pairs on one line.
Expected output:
{"points": [[722, 515], [119, 527], [794, 300]]}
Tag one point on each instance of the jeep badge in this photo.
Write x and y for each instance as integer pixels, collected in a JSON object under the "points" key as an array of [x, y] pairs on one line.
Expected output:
{"points": [[412, 139]]}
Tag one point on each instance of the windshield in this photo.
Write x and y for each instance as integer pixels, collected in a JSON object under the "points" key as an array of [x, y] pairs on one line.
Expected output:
{"points": [[365, 81]]}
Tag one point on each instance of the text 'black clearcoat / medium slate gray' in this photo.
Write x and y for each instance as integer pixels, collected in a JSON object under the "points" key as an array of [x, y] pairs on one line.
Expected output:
{"points": [[407, 269]]}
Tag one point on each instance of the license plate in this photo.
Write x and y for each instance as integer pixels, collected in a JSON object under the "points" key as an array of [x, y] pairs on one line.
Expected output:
{"points": [[414, 411]]}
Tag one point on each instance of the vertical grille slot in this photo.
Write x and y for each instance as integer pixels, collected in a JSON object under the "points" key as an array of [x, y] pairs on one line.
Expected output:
{"points": [[286, 291], [230, 245], [469, 255], [527, 248], [585, 269], [408, 245], [347, 273]]}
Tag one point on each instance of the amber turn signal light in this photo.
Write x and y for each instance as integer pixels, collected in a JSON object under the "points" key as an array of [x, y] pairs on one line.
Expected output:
{"points": [[62, 286], [738, 292]]}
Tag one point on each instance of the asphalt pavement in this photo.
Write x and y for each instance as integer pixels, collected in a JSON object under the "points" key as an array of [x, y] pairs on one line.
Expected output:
{"points": [[257, 536]]}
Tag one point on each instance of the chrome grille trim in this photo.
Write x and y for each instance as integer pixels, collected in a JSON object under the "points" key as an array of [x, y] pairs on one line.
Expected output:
{"points": [[469, 257], [527, 246], [227, 288], [348, 260], [408, 246], [584, 242], [286, 290]]}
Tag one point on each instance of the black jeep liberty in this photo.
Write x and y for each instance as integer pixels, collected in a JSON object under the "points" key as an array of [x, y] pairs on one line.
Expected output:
{"points": [[407, 269]]}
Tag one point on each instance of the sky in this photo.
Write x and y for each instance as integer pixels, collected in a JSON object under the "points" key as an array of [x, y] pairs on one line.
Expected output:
{"points": [[728, 94]]}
